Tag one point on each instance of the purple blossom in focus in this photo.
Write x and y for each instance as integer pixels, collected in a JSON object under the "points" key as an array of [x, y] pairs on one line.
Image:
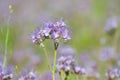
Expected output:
{"points": [[38, 36], [56, 31]]}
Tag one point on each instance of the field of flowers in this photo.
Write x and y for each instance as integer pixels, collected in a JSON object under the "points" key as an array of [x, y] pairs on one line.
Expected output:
{"points": [[59, 40]]}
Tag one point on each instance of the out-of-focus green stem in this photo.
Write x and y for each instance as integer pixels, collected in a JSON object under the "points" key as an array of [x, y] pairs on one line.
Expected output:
{"points": [[85, 77], [6, 43], [54, 68], [46, 55], [116, 38], [77, 77]]}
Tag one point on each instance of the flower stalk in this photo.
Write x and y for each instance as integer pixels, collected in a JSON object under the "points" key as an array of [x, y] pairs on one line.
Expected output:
{"points": [[46, 55]]}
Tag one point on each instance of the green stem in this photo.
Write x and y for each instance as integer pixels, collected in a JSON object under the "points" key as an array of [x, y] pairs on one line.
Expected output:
{"points": [[46, 55], [62, 75], [77, 77], [85, 77], [54, 65], [116, 39], [6, 43]]}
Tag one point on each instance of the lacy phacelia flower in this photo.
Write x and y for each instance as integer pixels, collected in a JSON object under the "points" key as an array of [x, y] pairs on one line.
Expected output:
{"points": [[79, 70], [56, 31], [38, 37], [29, 76], [5, 75], [113, 73], [65, 63]]}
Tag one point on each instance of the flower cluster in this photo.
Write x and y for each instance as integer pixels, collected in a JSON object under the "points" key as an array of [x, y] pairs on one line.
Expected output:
{"points": [[29, 76], [113, 73], [67, 64], [5, 75], [79, 70], [56, 31]]}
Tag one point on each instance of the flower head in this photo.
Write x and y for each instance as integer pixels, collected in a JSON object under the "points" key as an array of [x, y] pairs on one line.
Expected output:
{"points": [[79, 70], [113, 73], [29, 76], [5, 74], [38, 37], [56, 31], [65, 63]]}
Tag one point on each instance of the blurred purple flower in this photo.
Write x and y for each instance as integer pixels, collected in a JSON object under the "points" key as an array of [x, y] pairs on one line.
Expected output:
{"points": [[80, 70], [65, 63], [113, 73], [66, 50], [111, 25], [46, 76], [29, 76], [106, 53], [5, 74], [92, 70], [103, 41], [85, 59]]}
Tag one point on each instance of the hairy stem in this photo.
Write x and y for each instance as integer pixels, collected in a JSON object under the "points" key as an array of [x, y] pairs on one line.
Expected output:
{"points": [[46, 55], [54, 65]]}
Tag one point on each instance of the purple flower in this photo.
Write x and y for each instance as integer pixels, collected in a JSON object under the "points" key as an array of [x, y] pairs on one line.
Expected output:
{"points": [[66, 34], [111, 25], [39, 36], [113, 73], [56, 31], [79, 70], [65, 63], [29, 76], [107, 53], [5, 74], [66, 50]]}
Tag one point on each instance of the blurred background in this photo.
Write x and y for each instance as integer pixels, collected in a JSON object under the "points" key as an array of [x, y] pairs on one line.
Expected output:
{"points": [[93, 23]]}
